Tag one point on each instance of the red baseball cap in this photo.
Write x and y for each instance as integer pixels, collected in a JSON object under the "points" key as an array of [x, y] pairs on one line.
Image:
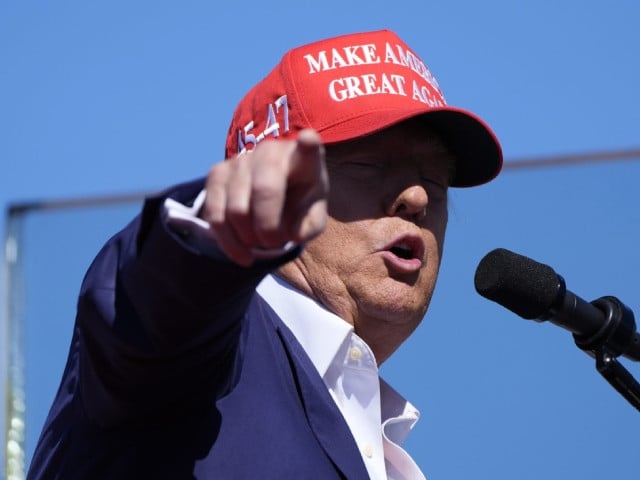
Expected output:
{"points": [[355, 85]]}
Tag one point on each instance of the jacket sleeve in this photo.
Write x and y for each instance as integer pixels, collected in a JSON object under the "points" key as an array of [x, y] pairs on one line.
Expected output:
{"points": [[159, 323]]}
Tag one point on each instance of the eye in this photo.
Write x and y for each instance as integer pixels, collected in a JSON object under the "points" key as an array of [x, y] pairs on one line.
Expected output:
{"points": [[364, 165], [434, 182], [357, 168]]}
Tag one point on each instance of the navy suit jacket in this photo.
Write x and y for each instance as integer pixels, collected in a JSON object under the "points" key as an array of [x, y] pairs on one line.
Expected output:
{"points": [[179, 370]]}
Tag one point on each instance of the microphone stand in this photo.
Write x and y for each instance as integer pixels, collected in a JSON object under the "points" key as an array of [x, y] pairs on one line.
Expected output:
{"points": [[612, 340]]}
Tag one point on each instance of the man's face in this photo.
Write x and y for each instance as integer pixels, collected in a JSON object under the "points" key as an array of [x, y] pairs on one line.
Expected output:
{"points": [[376, 263]]}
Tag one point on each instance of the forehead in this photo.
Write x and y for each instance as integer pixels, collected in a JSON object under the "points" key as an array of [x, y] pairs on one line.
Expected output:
{"points": [[411, 137]]}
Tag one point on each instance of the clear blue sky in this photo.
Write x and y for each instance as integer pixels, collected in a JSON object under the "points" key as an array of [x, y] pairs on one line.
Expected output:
{"points": [[115, 97]]}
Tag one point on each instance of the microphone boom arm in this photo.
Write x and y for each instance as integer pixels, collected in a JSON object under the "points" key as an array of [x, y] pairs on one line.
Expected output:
{"points": [[615, 337], [618, 377]]}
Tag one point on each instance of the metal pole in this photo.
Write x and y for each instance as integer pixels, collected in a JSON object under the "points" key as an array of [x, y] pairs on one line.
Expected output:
{"points": [[13, 349]]}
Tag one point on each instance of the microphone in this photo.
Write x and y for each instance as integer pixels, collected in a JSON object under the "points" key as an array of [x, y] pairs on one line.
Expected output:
{"points": [[535, 291]]}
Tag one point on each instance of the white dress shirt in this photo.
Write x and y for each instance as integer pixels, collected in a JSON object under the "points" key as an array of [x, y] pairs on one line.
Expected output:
{"points": [[378, 417]]}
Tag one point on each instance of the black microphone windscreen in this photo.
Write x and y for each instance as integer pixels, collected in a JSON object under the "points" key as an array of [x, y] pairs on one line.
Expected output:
{"points": [[522, 285]]}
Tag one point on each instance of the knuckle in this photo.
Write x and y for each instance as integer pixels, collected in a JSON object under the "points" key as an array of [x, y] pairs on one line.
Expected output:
{"points": [[265, 190], [236, 207], [218, 173]]}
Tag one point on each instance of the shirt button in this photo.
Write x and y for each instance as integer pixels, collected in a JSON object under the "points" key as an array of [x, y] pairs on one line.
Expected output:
{"points": [[368, 450], [355, 353]]}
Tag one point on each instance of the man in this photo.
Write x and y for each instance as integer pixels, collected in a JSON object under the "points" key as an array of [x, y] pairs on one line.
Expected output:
{"points": [[235, 328]]}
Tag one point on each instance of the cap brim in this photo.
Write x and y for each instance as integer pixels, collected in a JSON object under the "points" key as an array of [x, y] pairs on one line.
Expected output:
{"points": [[472, 142]]}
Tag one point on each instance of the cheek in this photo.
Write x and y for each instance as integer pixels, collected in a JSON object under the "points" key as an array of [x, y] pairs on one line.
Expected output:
{"points": [[335, 242], [342, 249], [437, 224], [349, 202]]}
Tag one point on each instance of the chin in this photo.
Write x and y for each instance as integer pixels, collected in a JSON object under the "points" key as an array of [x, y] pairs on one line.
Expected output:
{"points": [[400, 306], [407, 289]]}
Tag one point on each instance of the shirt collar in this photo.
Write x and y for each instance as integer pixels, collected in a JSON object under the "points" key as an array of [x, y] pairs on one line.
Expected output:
{"points": [[320, 332]]}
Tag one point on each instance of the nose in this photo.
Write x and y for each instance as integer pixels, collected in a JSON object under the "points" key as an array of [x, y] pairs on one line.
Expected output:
{"points": [[410, 203]]}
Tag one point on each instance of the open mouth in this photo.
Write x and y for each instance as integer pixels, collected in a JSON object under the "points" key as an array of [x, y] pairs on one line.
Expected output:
{"points": [[407, 248], [402, 251]]}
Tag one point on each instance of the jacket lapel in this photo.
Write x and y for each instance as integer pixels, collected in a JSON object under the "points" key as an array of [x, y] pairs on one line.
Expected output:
{"points": [[323, 415]]}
